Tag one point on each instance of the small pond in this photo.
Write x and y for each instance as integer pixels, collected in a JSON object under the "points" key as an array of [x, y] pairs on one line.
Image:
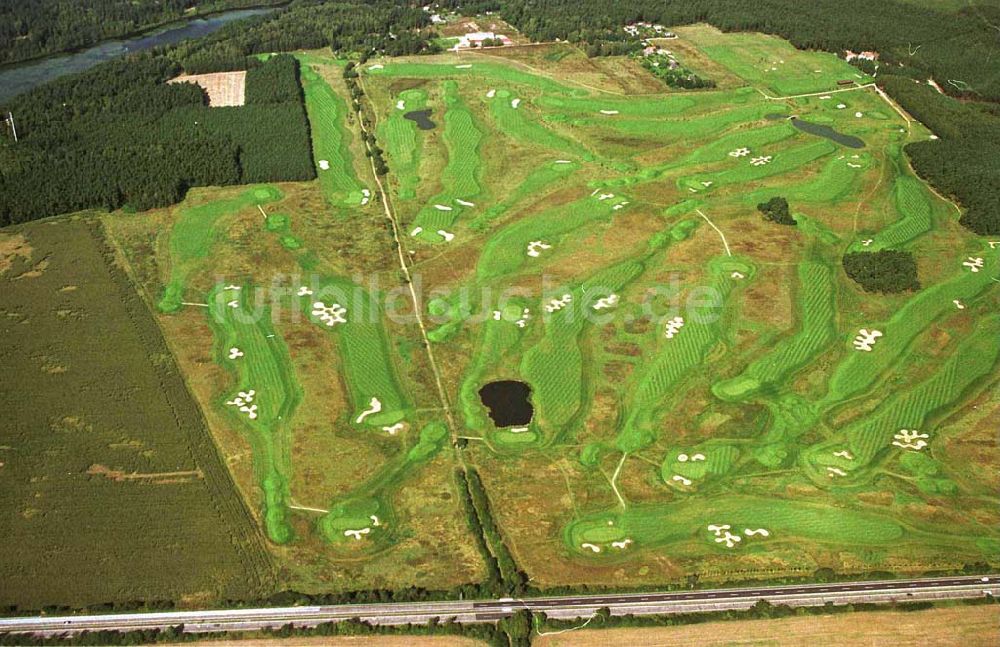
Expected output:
{"points": [[422, 119], [508, 401], [821, 131]]}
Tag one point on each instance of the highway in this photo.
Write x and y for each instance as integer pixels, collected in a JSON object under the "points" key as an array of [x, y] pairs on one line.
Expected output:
{"points": [[580, 606]]}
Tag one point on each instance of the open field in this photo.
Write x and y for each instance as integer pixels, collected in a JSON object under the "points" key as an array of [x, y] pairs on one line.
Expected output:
{"points": [[223, 88], [947, 626], [104, 447]]}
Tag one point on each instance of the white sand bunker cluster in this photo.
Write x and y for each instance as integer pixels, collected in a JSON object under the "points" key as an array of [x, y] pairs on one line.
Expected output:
{"points": [[447, 235], [233, 303], [865, 339], [910, 439], [303, 291], [392, 430], [739, 152], [604, 303], [724, 535], [366, 196], [361, 532], [974, 263], [520, 323], [374, 406], [761, 161], [329, 314], [555, 305], [673, 326], [244, 400], [223, 88], [536, 247], [235, 353]]}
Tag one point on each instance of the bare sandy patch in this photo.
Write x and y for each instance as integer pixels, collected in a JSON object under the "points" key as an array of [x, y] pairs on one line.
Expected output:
{"points": [[948, 626], [12, 246], [223, 88]]}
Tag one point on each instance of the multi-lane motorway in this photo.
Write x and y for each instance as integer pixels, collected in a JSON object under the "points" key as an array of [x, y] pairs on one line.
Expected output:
{"points": [[489, 610]]}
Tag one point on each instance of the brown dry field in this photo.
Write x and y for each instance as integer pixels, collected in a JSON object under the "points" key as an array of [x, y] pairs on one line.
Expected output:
{"points": [[223, 88], [346, 641], [966, 626]]}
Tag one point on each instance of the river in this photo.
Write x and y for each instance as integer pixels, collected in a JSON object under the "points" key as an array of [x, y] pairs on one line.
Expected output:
{"points": [[22, 77]]}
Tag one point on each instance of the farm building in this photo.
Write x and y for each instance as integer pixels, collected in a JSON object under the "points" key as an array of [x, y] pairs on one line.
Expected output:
{"points": [[477, 38]]}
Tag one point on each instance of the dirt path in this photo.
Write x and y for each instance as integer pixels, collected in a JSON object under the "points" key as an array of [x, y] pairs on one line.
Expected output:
{"points": [[401, 255], [721, 235]]}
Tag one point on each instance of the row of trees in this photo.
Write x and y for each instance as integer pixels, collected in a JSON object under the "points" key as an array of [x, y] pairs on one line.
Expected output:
{"points": [[391, 27], [39, 27], [119, 136]]}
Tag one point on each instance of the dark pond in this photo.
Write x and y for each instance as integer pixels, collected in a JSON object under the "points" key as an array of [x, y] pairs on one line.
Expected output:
{"points": [[422, 119], [22, 77], [821, 131], [509, 402]]}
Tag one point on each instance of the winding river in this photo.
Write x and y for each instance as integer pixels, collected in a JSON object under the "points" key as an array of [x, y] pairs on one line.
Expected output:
{"points": [[21, 77]]}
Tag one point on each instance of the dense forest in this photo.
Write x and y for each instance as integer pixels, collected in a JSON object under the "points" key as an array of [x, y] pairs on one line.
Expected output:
{"points": [[37, 27], [118, 136]]}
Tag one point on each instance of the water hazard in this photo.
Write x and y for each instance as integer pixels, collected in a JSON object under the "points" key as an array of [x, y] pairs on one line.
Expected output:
{"points": [[509, 402], [422, 119], [820, 130]]}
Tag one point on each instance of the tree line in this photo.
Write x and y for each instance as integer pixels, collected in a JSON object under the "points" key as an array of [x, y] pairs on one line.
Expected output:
{"points": [[119, 136], [40, 27]]}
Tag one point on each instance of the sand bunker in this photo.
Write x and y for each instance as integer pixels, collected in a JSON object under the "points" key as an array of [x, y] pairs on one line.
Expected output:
{"points": [[535, 248], [867, 242], [737, 275], [235, 353], [492, 93], [605, 196], [910, 439], [722, 535], [759, 531], [558, 304], [447, 235], [463, 67], [329, 314], [515, 103], [681, 479], [835, 471], [416, 230], [844, 454], [858, 114], [324, 165], [517, 430], [853, 165], [234, 304], [377, 66], [866, 339], [374, 406], [607, 302], [400, 105], [698, 457], [442, 207], [739, 152], [465, 203], [761, 161], [392, 430], [824, 97], [243, 400], [231, 287], [673, 326], [563, 161], [958, 304], [624, 543], [973, 263], [357, 534], [592, 547], [841, 106], [609, 112], [304, 291]]}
